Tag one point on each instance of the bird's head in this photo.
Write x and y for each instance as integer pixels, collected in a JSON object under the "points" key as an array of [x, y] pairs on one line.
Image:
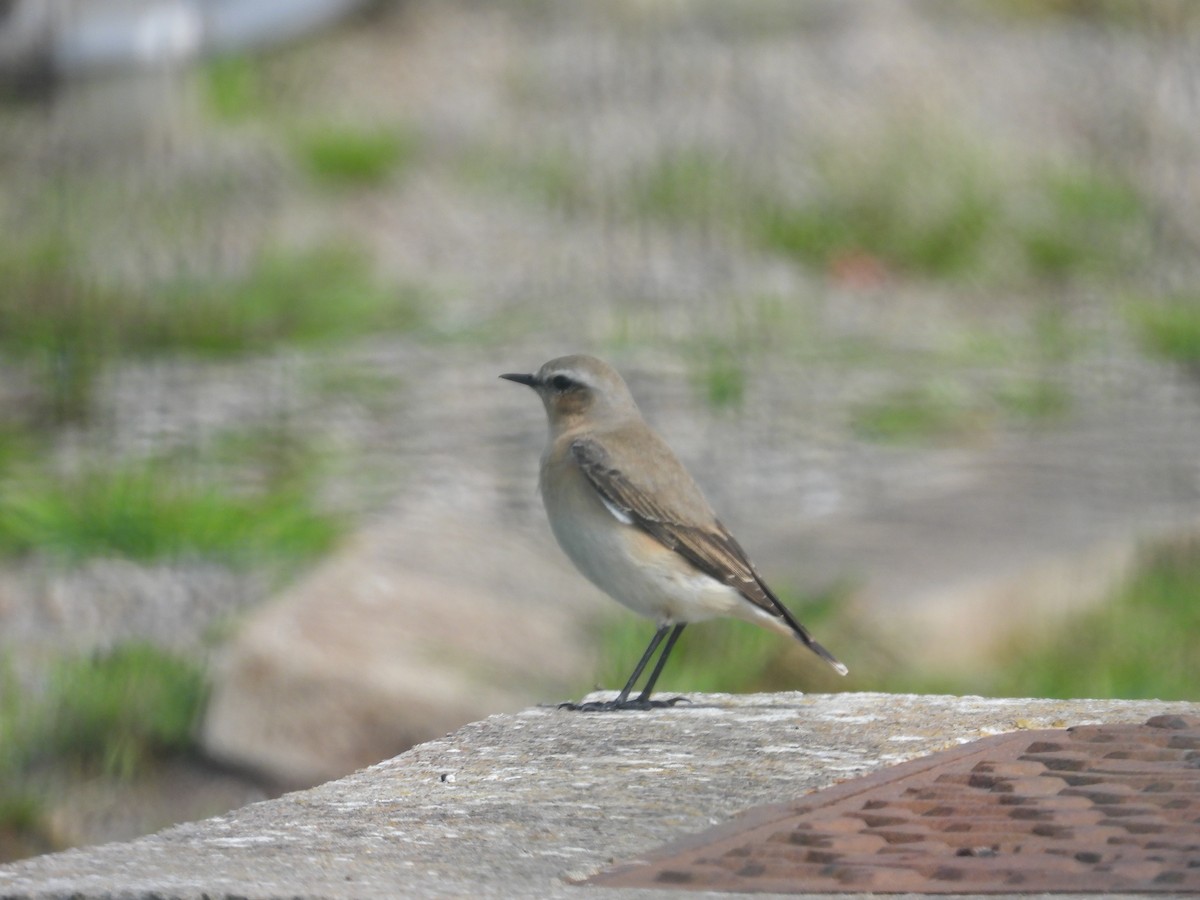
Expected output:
{"points": [[580, 390]]}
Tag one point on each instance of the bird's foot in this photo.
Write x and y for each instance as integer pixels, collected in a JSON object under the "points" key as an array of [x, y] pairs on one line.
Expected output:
{"points": [[617, 705]]}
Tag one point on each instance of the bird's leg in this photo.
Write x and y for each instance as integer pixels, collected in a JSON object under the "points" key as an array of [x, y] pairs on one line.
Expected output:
{"points": [[622, 698], [642, 701], [637, 670], [644, 696]]}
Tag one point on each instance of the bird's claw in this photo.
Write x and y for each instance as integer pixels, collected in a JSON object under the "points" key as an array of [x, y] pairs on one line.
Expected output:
{"points": [[617, 705]]}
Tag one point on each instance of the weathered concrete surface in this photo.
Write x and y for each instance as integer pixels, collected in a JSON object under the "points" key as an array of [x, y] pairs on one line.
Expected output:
{"points": [[521, 805]]}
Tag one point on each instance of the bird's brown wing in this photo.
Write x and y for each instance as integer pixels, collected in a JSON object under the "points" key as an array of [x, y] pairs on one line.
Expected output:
{"points": [[708, 546]]}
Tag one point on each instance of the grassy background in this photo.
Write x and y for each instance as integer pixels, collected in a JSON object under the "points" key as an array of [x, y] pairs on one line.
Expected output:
{"points": [[296, 242], [1137, 645]]}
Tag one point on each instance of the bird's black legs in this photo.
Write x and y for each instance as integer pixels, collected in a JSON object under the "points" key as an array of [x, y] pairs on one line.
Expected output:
{"points": [[642, 701], [644, 696], [640, 667]]}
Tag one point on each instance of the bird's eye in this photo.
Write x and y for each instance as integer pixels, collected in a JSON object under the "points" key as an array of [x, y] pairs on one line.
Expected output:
{"points": [[561, 382]]}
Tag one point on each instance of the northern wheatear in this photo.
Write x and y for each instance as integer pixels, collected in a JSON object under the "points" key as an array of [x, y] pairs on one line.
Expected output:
{"points": [[633, 521]]}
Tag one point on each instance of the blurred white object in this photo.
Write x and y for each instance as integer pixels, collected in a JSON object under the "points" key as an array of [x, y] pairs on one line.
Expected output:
{"points": [[52, 39]]}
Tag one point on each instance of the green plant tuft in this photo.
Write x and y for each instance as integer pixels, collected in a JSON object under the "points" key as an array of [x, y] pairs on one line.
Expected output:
{"points": [[234, 88], [893, 209], [1141, 644], [691, 185], [55, 321], [348, 157], [914, 202], [1170, 327], [150, 512], [117, 712], [1034, 400], [65, 328], [935, 412], [112, 714], [316, 296], [721, 376], [1082, 221]]}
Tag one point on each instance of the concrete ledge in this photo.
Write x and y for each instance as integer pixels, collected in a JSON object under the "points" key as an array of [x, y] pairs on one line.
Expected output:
{"points": [[521, 805]]}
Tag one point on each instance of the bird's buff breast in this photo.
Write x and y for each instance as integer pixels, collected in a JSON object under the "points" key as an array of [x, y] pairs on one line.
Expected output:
{"points": [[622, 560]]}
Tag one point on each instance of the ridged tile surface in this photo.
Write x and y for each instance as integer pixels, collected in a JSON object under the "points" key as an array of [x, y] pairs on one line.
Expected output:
{"points": [[1097, 808]]}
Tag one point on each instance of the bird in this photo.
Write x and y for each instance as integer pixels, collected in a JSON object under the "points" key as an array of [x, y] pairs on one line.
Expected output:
{"points": [[634, 522]]}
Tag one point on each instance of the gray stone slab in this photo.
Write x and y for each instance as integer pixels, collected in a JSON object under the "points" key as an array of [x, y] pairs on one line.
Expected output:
{"points": [[525, 804], [1016, 539]]}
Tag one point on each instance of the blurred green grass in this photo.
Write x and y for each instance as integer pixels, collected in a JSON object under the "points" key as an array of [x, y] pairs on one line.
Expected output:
{"points": [[1169, 327], [723, 655], [1132, 14], [910, 204], [924, 203], [235, 89], [66, 327], [944, 411], [937, 411], [117, 711], [345, 156], [248, 499], [152, 511], [111, 715], [322, 293], [1139, 644]]}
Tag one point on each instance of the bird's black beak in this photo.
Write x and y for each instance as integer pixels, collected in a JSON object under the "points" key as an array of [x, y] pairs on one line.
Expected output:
{"points": [[527, 380]]}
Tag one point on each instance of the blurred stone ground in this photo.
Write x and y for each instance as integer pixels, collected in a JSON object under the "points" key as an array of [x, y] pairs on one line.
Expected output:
{"points": [[516, 215]]}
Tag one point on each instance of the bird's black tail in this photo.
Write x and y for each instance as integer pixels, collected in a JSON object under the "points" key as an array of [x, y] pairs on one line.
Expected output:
{"points": [[807, 639], [803, 635]]}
